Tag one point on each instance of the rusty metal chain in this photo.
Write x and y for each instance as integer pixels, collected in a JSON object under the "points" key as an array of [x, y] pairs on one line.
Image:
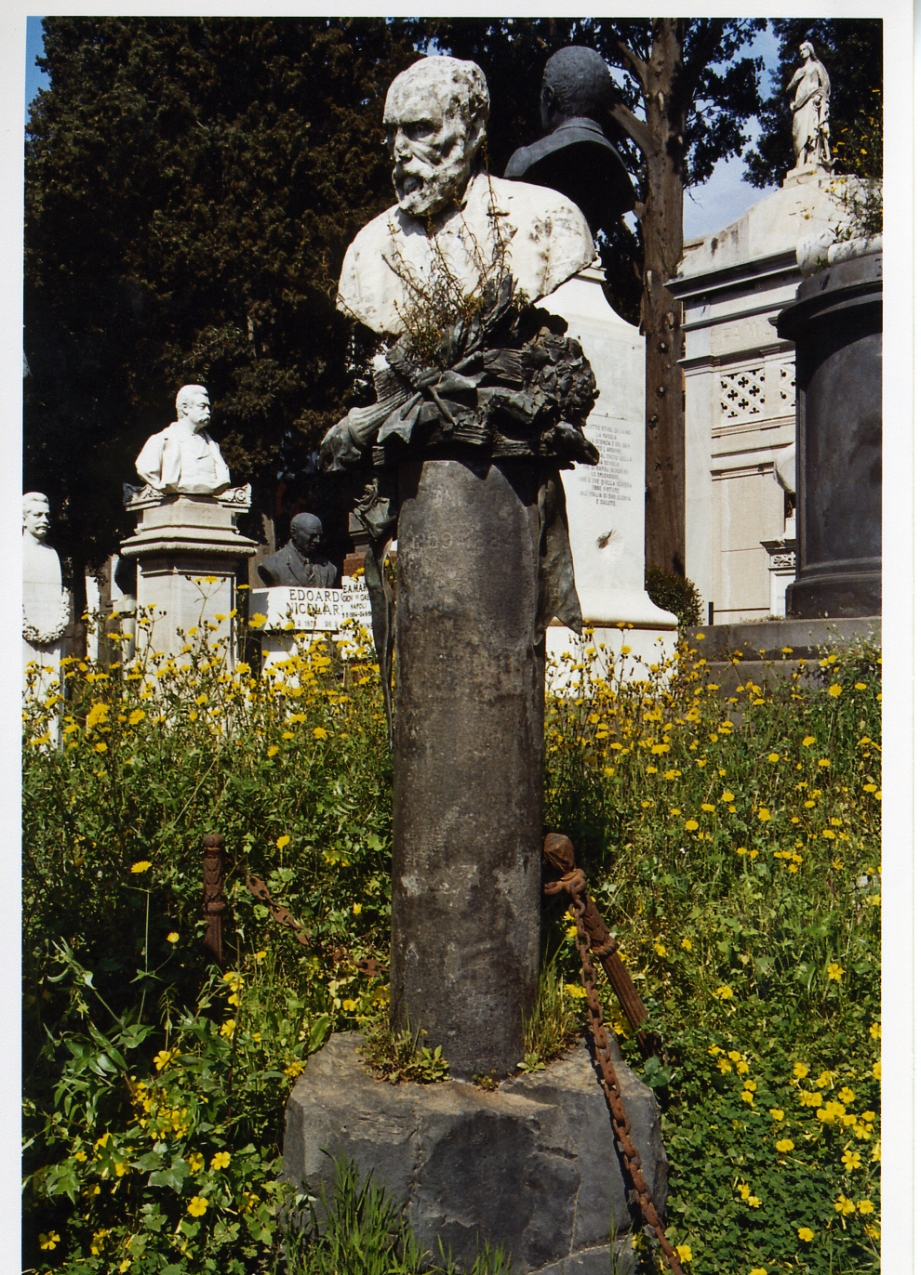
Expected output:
{"points": [[259, 890], [573, 883], [367, 965], [559, 853]]}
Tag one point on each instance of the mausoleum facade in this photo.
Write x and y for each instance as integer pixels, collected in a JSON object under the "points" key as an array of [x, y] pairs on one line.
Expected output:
{"points": [[740, 398]]}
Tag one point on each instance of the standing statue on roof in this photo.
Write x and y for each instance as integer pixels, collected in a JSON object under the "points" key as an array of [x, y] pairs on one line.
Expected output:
{"points": [[811, 91]]}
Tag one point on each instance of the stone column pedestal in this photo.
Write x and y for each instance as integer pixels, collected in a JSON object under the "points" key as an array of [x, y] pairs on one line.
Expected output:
{"points": [[188, 551], [468, 761], [837, 324], [531, 1166]]}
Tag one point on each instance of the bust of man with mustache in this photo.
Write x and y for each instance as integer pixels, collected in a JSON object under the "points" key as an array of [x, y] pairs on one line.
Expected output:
{"points": [[452, 221]]}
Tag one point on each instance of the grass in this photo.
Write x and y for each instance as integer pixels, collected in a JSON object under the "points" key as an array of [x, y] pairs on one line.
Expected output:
{"points": [[732, 847]]}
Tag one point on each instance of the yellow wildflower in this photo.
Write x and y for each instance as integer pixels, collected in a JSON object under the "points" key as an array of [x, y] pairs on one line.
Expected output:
{"points": [[835, 971], [141, 866], [784, 1145], [197, 1206], [806, 1233], [220, 1160]]}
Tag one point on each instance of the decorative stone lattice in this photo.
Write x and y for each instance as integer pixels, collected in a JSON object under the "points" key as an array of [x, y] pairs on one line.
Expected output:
{"points": [[787, 383], [742, 394]]}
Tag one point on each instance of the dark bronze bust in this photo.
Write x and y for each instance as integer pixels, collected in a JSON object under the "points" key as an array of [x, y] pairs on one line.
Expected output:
{"points": [[575, 157], [300, 562]]}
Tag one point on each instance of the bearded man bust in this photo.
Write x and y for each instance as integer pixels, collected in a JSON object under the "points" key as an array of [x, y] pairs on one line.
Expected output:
{"points": [[452, 221]]}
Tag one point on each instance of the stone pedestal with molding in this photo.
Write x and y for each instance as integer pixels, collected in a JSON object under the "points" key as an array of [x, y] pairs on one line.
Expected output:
{"points": [[188, 550], [530, 1165]]}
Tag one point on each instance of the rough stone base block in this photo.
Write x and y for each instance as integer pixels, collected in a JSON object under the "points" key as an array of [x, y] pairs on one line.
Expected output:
{"points": [[531, 1166]]}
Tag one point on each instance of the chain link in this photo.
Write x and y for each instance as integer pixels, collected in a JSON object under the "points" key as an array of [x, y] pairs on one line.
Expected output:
{"points": [[573, 884]]}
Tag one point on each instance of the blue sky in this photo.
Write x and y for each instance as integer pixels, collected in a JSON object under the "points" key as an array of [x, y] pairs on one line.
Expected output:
{"points": [[35, 79], [707, 208]]}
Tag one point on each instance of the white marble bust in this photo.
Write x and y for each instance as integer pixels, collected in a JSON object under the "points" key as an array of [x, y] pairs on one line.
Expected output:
{"points": [[449, 212], [45, 604], [184, 458]]}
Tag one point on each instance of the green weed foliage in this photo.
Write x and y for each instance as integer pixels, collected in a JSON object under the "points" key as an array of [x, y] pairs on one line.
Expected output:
{"points": [[732, 845]]}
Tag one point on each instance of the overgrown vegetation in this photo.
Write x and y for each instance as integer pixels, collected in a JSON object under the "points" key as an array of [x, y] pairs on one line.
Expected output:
{"points": [[675, 593], [733, 848]]}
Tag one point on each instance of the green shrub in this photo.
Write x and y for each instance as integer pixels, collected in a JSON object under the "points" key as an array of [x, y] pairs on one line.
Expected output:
{"points": [[676, 594]]}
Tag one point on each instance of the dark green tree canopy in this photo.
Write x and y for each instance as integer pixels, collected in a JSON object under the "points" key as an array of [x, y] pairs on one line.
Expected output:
{"points": [[191, 187], [852, 52]]}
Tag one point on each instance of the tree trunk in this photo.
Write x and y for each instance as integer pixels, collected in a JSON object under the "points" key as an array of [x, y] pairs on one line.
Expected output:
{"points": [[663, 234]]}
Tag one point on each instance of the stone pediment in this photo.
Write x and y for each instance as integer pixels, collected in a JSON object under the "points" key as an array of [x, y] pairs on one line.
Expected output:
{"points": [[775, 224]]}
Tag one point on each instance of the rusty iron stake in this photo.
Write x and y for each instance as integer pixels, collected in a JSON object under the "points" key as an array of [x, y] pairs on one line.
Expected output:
{"points": [[215, 905], [559, 853], [573, 883]]}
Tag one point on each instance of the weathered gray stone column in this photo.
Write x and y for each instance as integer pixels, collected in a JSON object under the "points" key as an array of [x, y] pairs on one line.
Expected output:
{"points": [[837, 324], [468, 758]]}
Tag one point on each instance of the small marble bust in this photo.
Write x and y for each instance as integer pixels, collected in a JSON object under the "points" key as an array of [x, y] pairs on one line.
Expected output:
{"points": [[45, 604], [300, 562], [183, 458]]}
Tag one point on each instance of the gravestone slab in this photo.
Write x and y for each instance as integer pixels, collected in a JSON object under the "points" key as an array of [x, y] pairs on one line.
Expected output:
{"points": [[296, 611], [531, 1166]]}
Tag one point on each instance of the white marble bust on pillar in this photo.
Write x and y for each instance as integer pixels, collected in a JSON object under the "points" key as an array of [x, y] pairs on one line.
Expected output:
{"points": [[187, 546], [183, 458], [45, 604]]}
